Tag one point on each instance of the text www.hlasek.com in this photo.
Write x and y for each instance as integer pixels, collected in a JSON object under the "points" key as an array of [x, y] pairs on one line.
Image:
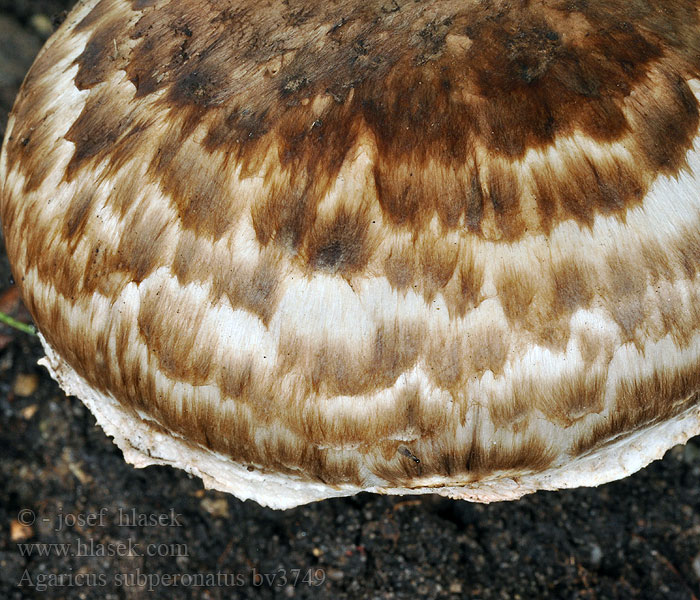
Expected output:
{"points": [[91, 549]]}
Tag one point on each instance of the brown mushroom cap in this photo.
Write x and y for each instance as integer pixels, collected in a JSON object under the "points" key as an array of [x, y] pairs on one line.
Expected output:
{"points": [[304, 249]]}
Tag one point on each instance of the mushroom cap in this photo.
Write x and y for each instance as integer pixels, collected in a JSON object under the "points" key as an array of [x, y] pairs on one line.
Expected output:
{"points": [[307, 249]]}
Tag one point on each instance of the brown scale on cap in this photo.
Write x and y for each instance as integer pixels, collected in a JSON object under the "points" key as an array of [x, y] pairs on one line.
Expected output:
{"points": [[388, 245]]}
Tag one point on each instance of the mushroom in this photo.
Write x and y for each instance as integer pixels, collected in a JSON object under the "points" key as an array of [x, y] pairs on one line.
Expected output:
{"points": [[307, 249]]}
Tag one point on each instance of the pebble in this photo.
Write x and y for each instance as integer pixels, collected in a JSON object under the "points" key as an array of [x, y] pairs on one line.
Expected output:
{"points": [[596, 556], [42, 24], [20, 532], [25, 385], [456, 587], [29, 411], [216, 507]]}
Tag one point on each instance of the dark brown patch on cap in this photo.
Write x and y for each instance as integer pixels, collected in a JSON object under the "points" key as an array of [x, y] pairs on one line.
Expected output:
{"points": [[667, 116], [572, 287], [512, 412], [143, 244], [174, 333], [487, 348], [337, 368], [448, 95], [477, 458], [286, 218], [399, 267], [235, 378], [337, 424], [254, 288], [516, 291], [463, 294], [340, 243], [102, 122], [564, 400], [687, 249], [77, 213], [203, 198], [627, 284], [643, 401], [396, 349], [446, 364], [529, 453], [438, 260]]}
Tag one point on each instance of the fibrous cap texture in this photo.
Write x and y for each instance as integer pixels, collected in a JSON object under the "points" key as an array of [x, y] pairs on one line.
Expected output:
{"points": [[303, 249]]}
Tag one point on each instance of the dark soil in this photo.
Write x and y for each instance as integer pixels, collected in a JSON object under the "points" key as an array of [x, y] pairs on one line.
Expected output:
{"points": [[64, 484]]}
